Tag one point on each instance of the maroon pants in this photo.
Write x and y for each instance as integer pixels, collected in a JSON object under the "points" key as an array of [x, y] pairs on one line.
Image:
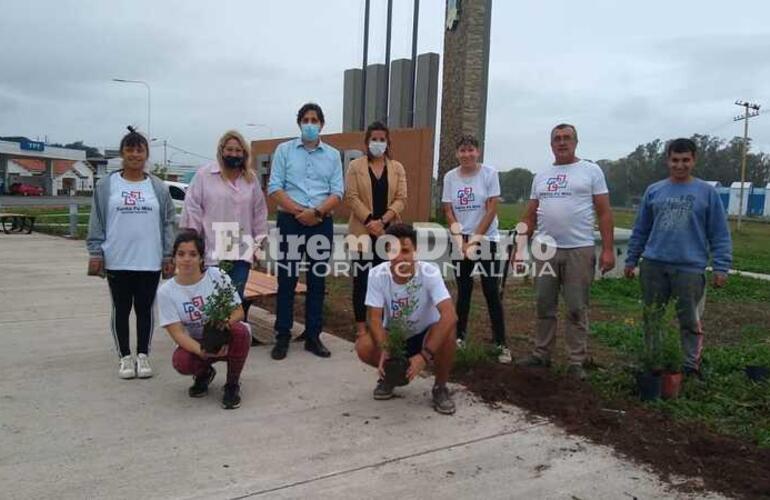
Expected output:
{"points": [[188, 363]]}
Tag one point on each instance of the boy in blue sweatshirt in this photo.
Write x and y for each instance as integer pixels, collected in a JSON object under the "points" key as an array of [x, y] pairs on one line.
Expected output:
{"points": [[680, 221]]}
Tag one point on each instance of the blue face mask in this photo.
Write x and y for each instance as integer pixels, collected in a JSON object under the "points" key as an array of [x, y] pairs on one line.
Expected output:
{"points": [[310, 131]]}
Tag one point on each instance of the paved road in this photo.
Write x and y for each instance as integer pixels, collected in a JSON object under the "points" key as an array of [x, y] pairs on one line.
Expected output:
{"points": [[308, 428], [42, 201]]}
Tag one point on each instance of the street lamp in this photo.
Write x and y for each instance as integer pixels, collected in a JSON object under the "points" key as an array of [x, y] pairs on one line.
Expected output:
{"points": [[147, 86], [269, 129]]}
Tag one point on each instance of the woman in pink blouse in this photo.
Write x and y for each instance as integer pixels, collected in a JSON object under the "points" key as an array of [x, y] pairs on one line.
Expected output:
{"points": [[225, 204]]}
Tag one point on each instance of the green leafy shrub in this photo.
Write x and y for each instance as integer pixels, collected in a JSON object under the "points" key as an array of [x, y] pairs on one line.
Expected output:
{"points": [[395, 344]]}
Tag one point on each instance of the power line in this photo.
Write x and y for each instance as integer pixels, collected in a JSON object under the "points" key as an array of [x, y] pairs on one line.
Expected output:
{"points": [[182, 150], [749, 110]]}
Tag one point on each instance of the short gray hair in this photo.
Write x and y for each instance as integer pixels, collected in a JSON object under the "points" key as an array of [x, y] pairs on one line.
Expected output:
{"points": [[565, 125]]}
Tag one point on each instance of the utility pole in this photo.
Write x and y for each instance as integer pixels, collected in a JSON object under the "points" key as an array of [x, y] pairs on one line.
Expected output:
{"points": [[165, 162], [363, 66], [415, 23], [388, 29], [749, 110]]}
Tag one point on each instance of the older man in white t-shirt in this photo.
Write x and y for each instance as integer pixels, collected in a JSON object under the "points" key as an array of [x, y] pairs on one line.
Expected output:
{"points": [[560, 213], [414, 293]]}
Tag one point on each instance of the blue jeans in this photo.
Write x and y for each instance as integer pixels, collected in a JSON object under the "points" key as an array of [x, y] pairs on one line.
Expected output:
{"points": [[288, 274], [240, 274]]}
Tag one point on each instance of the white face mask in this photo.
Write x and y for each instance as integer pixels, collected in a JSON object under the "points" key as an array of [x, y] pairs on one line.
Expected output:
{"points": [[377, 148]]}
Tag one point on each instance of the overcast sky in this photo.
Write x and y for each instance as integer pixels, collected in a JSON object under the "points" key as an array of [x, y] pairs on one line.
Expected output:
{"points": [[625, 73]]}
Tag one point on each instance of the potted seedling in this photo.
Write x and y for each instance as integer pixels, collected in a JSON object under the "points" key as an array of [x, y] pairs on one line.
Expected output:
{"points": [[397, 363], [648, 379], [671, 358], [218, 307], [758, 363]]}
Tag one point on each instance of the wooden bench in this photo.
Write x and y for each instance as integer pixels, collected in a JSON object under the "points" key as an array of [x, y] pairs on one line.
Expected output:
{"points": [[16, 223], [261, 285]]}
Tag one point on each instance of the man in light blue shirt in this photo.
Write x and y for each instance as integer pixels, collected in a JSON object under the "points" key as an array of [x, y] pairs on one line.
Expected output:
{"points": [[306, 184]]}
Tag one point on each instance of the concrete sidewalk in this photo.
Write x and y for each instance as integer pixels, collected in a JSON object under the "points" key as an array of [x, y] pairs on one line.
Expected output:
{"points": [[308, 428]]}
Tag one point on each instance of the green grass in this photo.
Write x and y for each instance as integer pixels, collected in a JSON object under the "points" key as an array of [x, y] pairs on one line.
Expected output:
{"points": [[750, 245], [474, 353], [727, 400], [624, 293], [509, 214]]}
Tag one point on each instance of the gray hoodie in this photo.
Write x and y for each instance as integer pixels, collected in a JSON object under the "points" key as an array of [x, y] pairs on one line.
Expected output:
{"points": [[97, 223]]}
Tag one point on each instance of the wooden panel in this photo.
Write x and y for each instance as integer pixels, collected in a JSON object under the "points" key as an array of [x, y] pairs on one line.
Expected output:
{"points": [[412, 147], [262, 284]]}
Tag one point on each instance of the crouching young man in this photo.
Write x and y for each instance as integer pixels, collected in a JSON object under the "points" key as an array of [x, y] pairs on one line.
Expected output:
{"points": [[414, 293]]}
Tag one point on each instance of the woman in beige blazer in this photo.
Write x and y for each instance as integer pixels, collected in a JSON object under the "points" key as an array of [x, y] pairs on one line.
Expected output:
{"points": [[375, 192]]}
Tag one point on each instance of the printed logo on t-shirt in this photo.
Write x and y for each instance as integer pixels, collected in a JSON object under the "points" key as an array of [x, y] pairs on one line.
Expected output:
{"points": [[556, 187], [193, 308], [398, 307], [556, 183], [402, 308], [131, 197], [465, 195]]}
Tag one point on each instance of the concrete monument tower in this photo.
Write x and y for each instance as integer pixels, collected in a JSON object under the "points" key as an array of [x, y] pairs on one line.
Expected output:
{"points": [[466, 74]]}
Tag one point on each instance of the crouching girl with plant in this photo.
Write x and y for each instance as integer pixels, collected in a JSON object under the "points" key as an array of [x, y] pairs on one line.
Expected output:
{"points": [[201, 310]]}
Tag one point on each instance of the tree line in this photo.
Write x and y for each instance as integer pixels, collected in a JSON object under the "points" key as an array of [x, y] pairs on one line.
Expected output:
{"points": [[718, 160], [627, 178]]}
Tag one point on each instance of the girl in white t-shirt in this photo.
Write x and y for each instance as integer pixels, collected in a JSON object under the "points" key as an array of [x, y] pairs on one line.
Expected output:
{"points": [[470, 196], [130, 234], [180, 303]]}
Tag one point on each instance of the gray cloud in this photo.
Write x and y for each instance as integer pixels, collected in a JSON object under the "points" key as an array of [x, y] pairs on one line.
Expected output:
{"points": [[623, 73]]}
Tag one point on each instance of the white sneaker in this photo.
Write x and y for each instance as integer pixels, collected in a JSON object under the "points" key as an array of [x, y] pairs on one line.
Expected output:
{"points": [[143, 368], [460, 343], [127, 368], [504, 355]]}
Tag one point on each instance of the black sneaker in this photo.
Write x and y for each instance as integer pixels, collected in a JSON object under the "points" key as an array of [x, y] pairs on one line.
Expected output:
{"points": [[442, 401], [383, 390], [232, 397], [280, 348], [201, 385]]}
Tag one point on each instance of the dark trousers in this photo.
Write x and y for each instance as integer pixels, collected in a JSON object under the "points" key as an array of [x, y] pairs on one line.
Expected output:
{"points": [[132, 289], [662, 283], [288, 273], [489, 269], [361, 267], [239, 274]]}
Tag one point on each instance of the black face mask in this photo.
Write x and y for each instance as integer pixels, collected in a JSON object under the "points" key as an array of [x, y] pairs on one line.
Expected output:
{"points": [[233, 161]]}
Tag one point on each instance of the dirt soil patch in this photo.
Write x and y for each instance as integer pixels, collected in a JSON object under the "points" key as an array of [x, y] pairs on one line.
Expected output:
{"points": [[725, 464], [692, 451]]}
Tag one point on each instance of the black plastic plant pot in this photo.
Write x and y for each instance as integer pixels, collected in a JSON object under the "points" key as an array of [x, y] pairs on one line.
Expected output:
{"points": [[757, 373], [649, 385], [395, 371], [214, 338]]}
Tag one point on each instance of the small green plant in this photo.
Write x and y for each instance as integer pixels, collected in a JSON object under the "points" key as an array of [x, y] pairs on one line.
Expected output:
{"points": [[226, 266], [219, 305], [662, 350], [671, 355], [395, 344], [758, 355], [473, 354], [650, 359]]}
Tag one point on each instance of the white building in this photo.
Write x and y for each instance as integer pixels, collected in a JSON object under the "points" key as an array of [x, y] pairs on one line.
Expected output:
{"points": [[735, 198], [68, 175], [57, 170]]}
